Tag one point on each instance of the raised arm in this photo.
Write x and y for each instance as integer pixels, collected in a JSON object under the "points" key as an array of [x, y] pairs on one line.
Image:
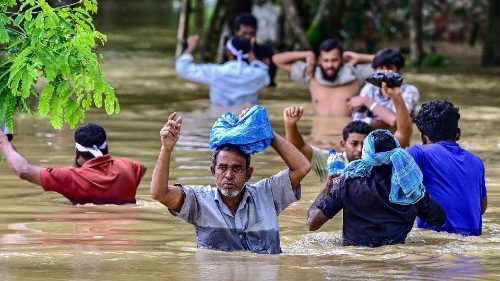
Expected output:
{"points": [[292, 115], [403, 119], [385, 115], [286, 59], [296, 161], [357, 58], [17, 163], [315, 216], [169, 195], [187, 69]]}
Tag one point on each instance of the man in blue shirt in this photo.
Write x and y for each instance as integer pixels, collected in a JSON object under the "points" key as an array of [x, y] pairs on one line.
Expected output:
{"points": [[453, 176], [236, 82], [234, 215]]}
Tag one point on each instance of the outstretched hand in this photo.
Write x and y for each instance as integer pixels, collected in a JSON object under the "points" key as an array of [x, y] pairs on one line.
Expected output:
{"points": [[292, 114], [356, 102], [329, 181], [392, 92], [3, 138], [351, 57], [243, 112], [192, 43], [170, 133]]}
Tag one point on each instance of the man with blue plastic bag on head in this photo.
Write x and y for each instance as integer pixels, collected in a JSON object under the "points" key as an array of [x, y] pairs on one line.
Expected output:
{"points": [[234, 215], [381, 195]]}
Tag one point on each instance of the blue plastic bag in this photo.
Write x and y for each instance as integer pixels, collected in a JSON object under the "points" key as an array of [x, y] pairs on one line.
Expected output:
{"points": [[251, 134]]}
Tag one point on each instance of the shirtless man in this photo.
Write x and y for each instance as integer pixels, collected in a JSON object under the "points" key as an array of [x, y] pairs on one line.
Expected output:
{"points": [[331, 81]]}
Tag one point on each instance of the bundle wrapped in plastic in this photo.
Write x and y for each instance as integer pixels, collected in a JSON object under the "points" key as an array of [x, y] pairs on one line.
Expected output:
{"points": [[251, 134]]}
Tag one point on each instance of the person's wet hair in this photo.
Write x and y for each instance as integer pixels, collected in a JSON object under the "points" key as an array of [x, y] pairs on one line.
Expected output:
{"points": [[383, 141], [229, 147], [388, 57], [438, 120], [245, 19], [90, 134], [330, 44], [358, 127], [241, 43]]}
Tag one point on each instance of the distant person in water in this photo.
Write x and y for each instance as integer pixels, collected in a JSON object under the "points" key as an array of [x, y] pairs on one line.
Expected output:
{"points": [[452, 175], [332, 76], [234, 215], [245, 25], [380, 195], [236, 82], [97, 177], [353, 134], [351, 143], [374, 105]]}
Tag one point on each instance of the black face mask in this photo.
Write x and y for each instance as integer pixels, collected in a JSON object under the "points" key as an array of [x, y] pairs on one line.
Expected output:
{"points": [[330, 78]]}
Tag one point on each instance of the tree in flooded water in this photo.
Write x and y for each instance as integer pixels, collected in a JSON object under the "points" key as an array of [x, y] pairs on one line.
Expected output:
{"points": [[48, 54], [491, 52]]}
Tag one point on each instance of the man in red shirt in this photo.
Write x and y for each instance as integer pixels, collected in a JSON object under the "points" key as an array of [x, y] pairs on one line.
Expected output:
{"points": [[97, 177]]}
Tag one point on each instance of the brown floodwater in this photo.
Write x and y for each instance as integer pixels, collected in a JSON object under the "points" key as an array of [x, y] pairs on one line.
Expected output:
{"points": [[42, 237]]}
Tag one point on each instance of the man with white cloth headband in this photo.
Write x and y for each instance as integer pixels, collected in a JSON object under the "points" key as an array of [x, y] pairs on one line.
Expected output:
{"points": [[96, 178], [236, 82]]}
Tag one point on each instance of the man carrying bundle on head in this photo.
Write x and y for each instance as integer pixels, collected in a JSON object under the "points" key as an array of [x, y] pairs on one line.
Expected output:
{"points": [[381, 195], [96, 178], [234, 215], [236, 82]]}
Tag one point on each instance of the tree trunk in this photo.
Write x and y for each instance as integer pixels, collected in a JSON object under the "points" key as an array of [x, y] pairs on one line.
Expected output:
{"points": [[224, 12], [329, 15], [416, 44], [217, 20], [199, 14], [183, 29], [293, 21], [491, 51]]}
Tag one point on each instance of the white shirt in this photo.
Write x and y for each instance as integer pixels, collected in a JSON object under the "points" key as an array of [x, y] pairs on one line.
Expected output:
{"points": [[229, 83]]}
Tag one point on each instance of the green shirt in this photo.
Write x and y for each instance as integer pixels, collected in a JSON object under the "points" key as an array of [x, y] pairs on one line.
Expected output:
{"points": [[318, 161]]}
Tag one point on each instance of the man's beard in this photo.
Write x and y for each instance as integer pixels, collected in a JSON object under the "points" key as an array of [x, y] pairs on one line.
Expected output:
{"points": [[327, 77], [230, 193]]}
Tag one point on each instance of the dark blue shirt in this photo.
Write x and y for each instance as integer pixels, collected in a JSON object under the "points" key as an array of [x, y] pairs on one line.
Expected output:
{"points": [[370, 219], [454, 177]]}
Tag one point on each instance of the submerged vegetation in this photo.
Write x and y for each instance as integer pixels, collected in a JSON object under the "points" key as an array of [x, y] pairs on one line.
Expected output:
{"points": [[49, 61]]}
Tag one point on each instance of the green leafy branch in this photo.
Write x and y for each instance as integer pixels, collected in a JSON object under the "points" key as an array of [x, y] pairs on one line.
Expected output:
{"points": [[54, 49]]}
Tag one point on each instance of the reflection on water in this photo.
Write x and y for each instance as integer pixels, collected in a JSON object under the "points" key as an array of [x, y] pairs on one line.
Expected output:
{"points": [[44, 238]]}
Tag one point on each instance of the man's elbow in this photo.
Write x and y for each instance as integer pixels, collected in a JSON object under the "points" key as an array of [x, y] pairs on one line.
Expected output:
{"points": [[25, 173], [311, 225], [305, 167], [155, 194]]}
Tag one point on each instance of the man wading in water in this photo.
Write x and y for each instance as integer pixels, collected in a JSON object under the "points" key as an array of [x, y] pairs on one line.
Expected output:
{"points": [[97, 178], [381, 195], [234, 215], [238, 81]]}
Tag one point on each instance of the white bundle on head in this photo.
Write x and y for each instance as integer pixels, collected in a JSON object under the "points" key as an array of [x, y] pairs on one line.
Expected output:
{"points": [[94, 150], [238, 53]]}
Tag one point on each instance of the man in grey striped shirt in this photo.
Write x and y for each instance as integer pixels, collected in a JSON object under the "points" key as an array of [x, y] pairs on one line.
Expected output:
{"points": [[234, 215]]}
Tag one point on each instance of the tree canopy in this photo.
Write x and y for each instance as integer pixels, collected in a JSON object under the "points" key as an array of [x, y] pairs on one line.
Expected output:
{"points": [[52, 46]]}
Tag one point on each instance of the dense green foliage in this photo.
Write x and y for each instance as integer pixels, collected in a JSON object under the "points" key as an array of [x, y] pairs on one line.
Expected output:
{"points": [[54, 48]]}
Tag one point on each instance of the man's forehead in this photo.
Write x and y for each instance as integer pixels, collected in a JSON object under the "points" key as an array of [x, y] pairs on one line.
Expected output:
{"points": [[332, 53], [247, 28], [230, 157], [356, 137]]}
